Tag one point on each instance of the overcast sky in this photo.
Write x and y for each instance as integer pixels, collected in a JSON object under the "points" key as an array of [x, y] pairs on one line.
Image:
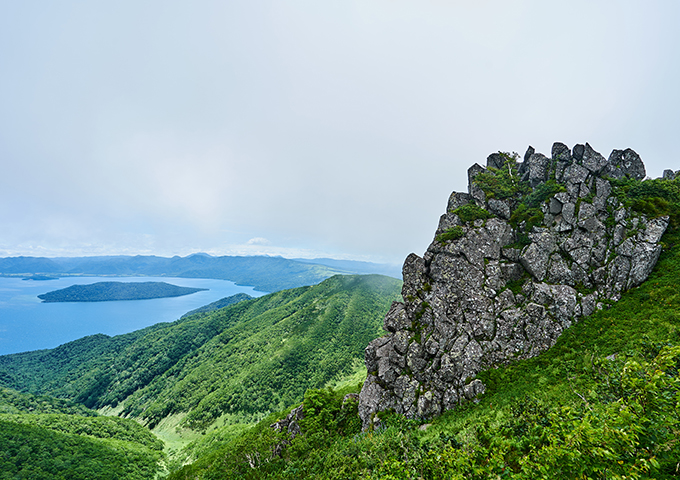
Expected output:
{"points": [[305, 128]]}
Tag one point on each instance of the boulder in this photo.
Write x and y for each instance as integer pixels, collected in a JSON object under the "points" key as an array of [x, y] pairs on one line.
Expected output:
{"points": [[625, 163]]}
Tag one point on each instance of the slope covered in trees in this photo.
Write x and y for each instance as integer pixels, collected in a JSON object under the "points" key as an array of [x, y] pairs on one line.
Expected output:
{"points": [[44, 437], [245, 360], [221, 303]]}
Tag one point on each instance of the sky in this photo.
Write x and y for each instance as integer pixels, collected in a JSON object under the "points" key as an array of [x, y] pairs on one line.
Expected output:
{"points": [[305, 128]]}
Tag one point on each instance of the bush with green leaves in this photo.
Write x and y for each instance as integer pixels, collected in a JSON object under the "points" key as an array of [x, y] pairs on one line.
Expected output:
{"points": [[453, 233], [653, 197], [471, 212], [503, 183]]}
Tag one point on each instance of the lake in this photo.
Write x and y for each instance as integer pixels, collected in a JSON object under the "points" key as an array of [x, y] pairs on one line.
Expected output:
{"points": [[28, 324]]}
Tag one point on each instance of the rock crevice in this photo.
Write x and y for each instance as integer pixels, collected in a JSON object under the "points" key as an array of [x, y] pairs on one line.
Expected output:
{"points": [[531, 248]]}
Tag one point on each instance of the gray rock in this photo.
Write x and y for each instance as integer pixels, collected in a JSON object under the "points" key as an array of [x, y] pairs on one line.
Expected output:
{"points": [[289, 424], [568, 211], [555, 206], [475, 192], [499, 208], [458, 199], [460, 315], [578, 151], [575, 174], [625, 163], [495, 160], [535, 257], [511, 271], [561, 152], [527, 155], [668, 175], [603, 190], [538, 169], [592, 160], [396, 318], [643, 260], [414, 273], [447, 221], [655, 229]]}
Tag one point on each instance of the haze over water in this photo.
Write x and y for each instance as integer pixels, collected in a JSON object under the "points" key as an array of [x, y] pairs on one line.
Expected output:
{"points": [[28, 324]]}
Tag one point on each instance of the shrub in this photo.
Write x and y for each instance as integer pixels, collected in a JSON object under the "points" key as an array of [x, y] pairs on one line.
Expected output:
{"points": [[453, 233], [502, 183], [471, 212]]}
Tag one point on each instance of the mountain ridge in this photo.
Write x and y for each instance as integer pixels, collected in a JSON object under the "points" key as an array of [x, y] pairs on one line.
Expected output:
{"points": [[264, 273]]}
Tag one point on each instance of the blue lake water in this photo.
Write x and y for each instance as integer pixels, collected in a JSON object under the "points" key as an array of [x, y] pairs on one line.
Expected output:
{"points": [[28, 324]]}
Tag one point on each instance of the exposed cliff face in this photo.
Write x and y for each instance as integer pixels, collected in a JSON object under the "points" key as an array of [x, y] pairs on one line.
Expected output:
{"points": [[531, 248]]}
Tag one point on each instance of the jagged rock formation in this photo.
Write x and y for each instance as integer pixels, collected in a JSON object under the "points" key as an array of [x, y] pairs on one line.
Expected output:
{"points": [[531, 248], [290, 424]]}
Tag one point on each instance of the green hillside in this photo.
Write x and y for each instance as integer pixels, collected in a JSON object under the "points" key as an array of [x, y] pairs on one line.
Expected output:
{"points": [[44, 437], [221, 303], [245, 360], [603, 403]]}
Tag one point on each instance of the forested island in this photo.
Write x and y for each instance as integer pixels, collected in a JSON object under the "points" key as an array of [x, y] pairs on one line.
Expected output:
{"points": [[110, 291]]}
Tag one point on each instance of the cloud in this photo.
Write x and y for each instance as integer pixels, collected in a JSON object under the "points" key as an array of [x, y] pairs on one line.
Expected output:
{"points": [[258, 241], [334, 127]]}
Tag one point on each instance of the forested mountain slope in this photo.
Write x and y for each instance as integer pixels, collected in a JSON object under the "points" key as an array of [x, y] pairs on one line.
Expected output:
{"points": [[247, 359], [43, 437]]}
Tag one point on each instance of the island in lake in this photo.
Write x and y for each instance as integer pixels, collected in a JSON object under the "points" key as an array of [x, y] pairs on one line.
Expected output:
{"points": [[110, 291]]}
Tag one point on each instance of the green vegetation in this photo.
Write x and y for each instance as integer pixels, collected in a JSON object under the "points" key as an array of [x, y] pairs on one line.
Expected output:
{"points": [[653, 198], [528, 213], [111, 291], [525, 202], [221, 303], [541, 193], [453, 233], [503, 183], [71, 442], [604, 402], [13, 402], [471, 212], [38, 453]]}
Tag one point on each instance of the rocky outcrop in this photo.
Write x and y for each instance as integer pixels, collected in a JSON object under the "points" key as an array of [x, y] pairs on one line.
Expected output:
{"points": [[530, 248], [290, 424]]}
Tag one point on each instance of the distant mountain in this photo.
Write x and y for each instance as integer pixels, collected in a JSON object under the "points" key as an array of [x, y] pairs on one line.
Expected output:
{"points": [[112, 291], [26, 265], [265, 274], [354, 266]]}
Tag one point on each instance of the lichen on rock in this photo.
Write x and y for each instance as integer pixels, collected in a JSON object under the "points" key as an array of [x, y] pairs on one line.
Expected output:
{"points": [[538, 245]]}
